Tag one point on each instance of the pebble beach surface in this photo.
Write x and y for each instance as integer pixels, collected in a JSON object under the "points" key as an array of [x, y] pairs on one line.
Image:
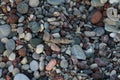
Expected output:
{"points": [[59, 39]]}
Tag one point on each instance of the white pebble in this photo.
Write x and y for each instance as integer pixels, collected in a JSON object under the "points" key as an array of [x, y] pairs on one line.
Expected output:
{"points": [[113, 1], [4, 40], [92, 66], [34, 65], [12, 56], [41, 65], [15, 71], [24, 60], [28, 36], [39, 48], [56, 35]]}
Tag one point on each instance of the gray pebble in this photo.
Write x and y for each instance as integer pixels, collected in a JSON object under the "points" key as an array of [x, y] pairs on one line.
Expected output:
{"points": [[22, 8], [4, 30], [99, 31], [64, 63], [78, 52], [10, 45]]}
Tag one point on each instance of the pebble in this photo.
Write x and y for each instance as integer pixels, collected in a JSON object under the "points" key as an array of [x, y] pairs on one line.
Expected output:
{"points": [[41, 65], [34, 26], [10, 45], [113, 1], [96, 17], [1, 47], [28, 36], [10, 68], [22, 8], [64, 63], [15, 71], [21, 76], [34, 65], [112, 13], [0, 72], [103, 1], [56, 35], [99, 31], [39, 48], [78, 52], [24, 60], [89, 33], [34, 3], [92, 66], [2, 64], [54, 47], [21, 19], [35, 41], [110, 28], [55, 2], [12, 19], [12, 56], [4, 40], [100, 62], [20, 30], [4, 30], [96, 3], [25, 67], [22, 52], [51, 64], [36, 74], [113, 72], [36, 56]]}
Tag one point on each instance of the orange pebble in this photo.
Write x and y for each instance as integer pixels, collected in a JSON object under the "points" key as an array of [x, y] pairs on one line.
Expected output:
{"points": [[51, 64]]}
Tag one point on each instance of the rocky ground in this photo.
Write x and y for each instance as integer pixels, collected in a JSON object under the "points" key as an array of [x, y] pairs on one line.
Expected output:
{"points": [[59, 39]]}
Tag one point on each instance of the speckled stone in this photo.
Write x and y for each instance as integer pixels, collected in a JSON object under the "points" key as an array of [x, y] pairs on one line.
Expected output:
{"points": [[22, 8]]}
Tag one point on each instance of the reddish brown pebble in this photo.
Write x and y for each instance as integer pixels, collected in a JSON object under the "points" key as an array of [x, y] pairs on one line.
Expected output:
{"points": [[96, 17], [22, 52], [8, 77], [97, 76], [51, 64], [12, 19]]}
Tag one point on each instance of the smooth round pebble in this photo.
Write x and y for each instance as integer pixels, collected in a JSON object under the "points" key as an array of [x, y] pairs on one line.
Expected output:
{"points": [[34, 65], [25, 67], [24, 60], [15, 71]]}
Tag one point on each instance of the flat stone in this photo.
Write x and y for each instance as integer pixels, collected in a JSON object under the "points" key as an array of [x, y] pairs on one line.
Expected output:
{"points": [[113, 1], [34, 65], [78, 52], [89, 33], [34, 3], [35, 41], [4, 30], [99, 31], [10, 45], [21, 76], [55, 2], [25, 67]]}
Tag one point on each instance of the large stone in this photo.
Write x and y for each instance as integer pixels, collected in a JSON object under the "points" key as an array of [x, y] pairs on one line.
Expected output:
{"points": [[4, 30], [78, 52], [21, 76], [10, 45]]}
